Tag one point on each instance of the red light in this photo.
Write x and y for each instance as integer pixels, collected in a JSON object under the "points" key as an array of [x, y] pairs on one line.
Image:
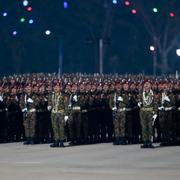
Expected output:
{"points": [[133, 11], [171, 14], [127, 3], [29, 8]]}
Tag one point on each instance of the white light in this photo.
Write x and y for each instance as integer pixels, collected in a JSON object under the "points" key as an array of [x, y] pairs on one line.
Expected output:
{"points": [[178, 52], [47, 32], [25, 3], [5, 14], [152, 48]]}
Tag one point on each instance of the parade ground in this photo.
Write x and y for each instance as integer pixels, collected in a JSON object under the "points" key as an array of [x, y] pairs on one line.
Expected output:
{"points": [[88, 162]]}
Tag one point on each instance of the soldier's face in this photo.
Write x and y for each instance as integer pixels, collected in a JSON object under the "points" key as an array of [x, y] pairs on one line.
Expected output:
{"points": [[147, 86], [57, 88], [126, 87]]}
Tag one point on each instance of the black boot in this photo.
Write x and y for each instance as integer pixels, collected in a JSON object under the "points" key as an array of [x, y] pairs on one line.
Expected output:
{"points": [[149, 144], [55, 144], [61, 144], [27, 141], [144, 145], [122, 141], [116, 141]]}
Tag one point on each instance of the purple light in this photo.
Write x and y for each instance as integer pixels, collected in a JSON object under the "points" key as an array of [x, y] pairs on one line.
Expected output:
{"points": [[65, 4], [14, 33]]}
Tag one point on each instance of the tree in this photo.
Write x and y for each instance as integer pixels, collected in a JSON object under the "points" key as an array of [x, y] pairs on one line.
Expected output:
{"points": [[163, 28]]}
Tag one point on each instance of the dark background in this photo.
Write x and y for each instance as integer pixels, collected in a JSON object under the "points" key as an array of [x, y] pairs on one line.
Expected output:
{"points": [[77, 29]]}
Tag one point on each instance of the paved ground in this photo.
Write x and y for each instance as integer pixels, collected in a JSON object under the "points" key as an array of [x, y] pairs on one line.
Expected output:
{"points": [[91, 162]]}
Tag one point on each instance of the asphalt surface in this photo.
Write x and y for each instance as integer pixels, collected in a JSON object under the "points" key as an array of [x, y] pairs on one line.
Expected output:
{"points": [[88, 162]]}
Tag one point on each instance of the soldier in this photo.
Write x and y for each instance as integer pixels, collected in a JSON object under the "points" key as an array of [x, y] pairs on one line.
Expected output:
{"points": [[75, 116], [59, 107], [3, 116], [118, 104], [132, 120], [167, 106], [28, 105], [14, 120], [148, 108], [42, 135]]}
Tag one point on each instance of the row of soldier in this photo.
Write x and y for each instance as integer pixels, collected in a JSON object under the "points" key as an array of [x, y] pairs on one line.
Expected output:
{"points": [[125, 111]]}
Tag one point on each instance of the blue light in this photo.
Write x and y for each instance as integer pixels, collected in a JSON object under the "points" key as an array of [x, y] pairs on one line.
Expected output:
{"points": [[31, 21], [5, 14], [65, 4], [114, 1]]}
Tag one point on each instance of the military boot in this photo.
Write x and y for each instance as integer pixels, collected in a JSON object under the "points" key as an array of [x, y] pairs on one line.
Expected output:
{"points": [[116, 141], [55, 144], [61, 144]]}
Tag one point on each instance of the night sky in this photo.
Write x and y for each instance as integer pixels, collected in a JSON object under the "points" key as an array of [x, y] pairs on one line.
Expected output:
{"points": [[75, 31]]}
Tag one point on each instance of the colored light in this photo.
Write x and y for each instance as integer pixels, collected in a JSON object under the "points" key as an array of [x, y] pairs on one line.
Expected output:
{"points": [[127, 3], [155, 10], [178, 52], [171, 14], [114, 1], [152, 48], [133, 11], [31, 21], [14, 33], [47, 32], [25, 3], [22, 20], [5, 14], [65, 4], [29, 8]]}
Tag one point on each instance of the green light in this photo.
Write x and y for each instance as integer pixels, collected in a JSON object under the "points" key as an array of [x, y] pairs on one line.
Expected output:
{"points": [[22, 20], [155, 10]]}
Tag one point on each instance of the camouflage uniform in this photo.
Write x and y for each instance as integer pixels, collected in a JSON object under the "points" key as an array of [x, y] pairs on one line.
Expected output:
{"points": [[148, 107], [59, 106], [28, 106]]}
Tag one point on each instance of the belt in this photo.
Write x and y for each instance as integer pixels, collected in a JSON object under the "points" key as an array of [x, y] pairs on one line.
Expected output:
{"points": [[58, 111], [129, 109], [76, 108], [32, 110], [84, 110], [168, 108], [147, 108], [121, 109]]}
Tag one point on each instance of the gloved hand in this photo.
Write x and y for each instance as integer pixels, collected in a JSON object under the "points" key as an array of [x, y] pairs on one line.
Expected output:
{"points": [[24, 110], [30, 100], [161, 108], [120, 98], [139, 104], [66, 118], [154, 119], [75, 98], [166, 98], [114, 108], [1, 98], [49, 108]]}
